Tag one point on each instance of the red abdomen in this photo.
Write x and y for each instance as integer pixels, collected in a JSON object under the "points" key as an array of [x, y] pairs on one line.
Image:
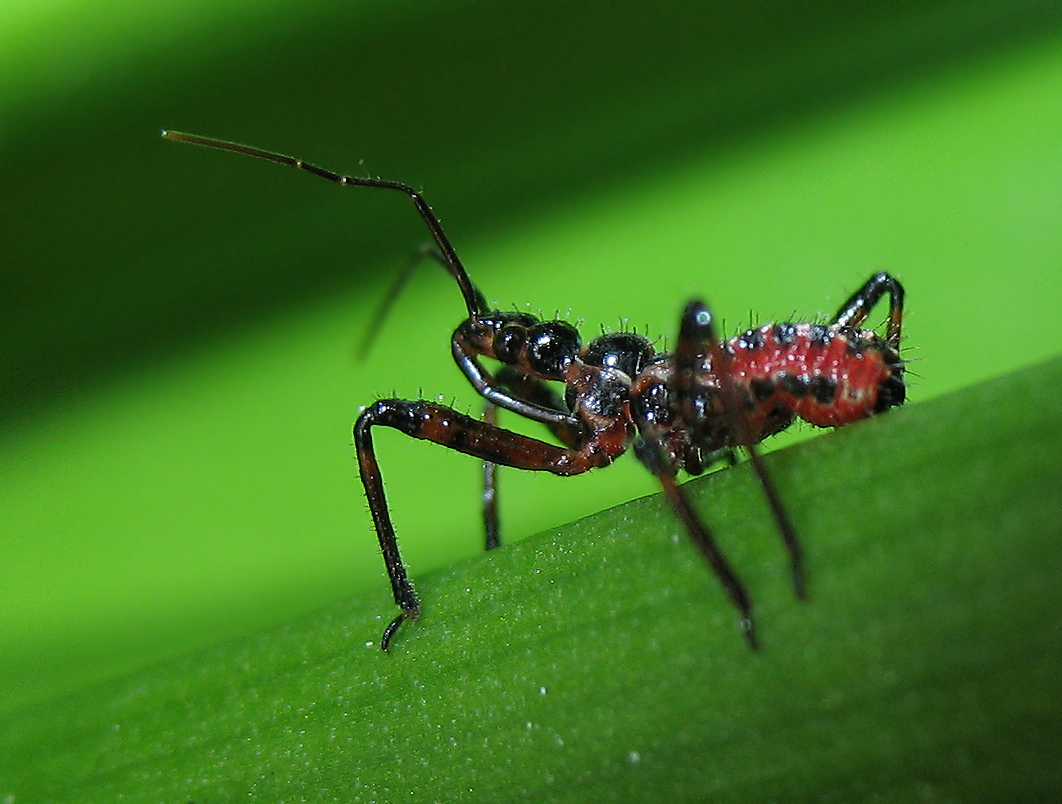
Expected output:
{"points": [[826, 375]]}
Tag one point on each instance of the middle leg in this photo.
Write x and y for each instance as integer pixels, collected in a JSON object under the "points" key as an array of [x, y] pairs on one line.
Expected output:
{"points": [[697, 336], [539, 393]]}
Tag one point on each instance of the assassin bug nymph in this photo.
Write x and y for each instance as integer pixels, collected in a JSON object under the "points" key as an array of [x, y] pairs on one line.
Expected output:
{"points": [[680, 410]]}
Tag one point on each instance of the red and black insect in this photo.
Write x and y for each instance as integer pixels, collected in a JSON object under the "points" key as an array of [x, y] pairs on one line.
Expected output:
{"points": [[682, 410]]}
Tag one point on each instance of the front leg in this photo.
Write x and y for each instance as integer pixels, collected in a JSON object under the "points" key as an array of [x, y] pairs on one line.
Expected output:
{"points": [[481, 439], [372, 480]]}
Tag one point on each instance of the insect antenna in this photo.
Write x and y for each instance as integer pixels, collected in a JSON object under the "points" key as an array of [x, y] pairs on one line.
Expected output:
{"points": [[383, 309], [474, 301]]}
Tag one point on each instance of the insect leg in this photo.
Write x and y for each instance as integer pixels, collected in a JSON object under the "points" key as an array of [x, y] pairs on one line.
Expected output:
{"points": [[481, 439], [535, 391], [372, 480], [491, 525], [653, 455], [697, 334], [490, 388], [858, 306], [570, 430]]}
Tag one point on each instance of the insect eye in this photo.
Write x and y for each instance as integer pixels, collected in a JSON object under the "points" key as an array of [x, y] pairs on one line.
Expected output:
{"points": [[552, 345]]}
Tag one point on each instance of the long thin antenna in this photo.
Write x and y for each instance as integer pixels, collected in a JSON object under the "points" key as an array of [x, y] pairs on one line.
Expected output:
{"points": [[474, 300]]}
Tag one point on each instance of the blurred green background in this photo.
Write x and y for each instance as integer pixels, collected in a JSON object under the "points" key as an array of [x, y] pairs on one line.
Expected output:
{"points": [[178, 327]]}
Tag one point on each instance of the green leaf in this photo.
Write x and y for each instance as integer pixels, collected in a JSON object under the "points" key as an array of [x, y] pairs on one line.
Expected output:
{"points": [[177, 327], [601, 662]]}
